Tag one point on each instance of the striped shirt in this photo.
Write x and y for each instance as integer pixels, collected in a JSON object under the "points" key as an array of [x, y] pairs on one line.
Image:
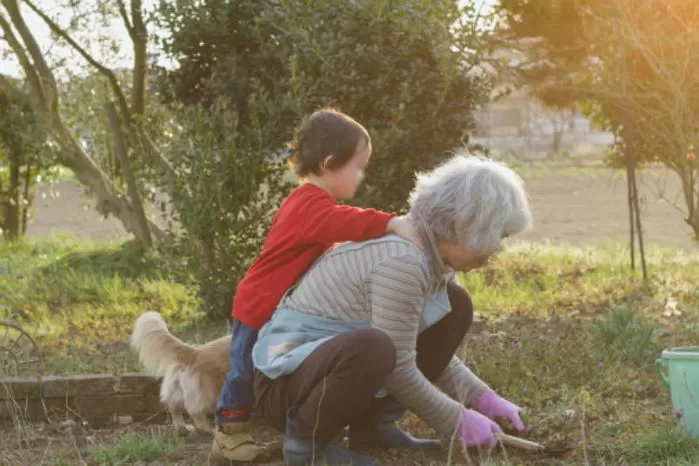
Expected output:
{"points": [[386, 283]]}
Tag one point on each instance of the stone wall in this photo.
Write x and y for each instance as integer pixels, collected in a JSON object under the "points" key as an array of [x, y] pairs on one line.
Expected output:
{"points": [[95, 400]]}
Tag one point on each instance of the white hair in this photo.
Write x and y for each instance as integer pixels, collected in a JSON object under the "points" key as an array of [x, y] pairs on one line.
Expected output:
{"points": [[473, 201]]}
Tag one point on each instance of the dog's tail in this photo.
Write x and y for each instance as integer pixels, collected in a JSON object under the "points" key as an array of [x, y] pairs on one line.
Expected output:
{"points": [[159, 350]]}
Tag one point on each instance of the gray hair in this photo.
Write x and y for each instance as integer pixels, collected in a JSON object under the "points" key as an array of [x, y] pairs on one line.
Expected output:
{"points": [[473, 201]]}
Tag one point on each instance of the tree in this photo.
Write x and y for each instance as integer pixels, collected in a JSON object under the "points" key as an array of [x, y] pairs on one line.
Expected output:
{"points": [[651, 89], [411, 81], [47, 103], [631, 64], [404, 68], [103, 127], [226, 188], [550, 34], [232, 116], [24, 157]]}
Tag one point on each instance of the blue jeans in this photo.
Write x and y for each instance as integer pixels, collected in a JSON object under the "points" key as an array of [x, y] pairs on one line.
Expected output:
{"points": [[237, 391]]}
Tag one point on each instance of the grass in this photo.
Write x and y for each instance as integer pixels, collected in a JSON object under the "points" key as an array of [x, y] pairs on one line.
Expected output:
{"points": [[663, 445], [132, 448], [569, 333], [79, 300], [572, 334], [70, 444]]}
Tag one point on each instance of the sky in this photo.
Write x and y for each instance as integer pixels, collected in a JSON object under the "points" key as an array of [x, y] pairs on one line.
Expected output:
{"points": [[56, 51]]}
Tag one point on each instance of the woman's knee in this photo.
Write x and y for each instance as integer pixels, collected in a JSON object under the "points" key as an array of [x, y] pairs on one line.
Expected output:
{"points": [[371, 351], [461, 306]]}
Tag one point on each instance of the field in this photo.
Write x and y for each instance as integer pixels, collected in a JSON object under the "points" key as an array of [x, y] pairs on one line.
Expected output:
{"points": [[564, 328], [572, 204]]}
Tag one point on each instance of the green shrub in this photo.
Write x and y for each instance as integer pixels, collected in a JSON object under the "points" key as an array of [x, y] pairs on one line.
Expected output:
{"points": [[227, 187]]}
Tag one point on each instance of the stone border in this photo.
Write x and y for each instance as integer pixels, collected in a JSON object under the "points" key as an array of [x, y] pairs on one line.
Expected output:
{"points": [[95, 400]]}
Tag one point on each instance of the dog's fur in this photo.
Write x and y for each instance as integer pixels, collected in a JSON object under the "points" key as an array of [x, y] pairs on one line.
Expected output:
{"points": [[192, 375]]}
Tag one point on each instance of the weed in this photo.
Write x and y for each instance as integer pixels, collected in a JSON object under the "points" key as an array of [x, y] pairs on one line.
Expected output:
{"points": [[667, 444], [624, 334], [132, 448]]}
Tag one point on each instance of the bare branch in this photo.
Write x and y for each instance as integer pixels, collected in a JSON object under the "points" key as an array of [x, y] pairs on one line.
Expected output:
{"points": [[661, 190], [40, 71], [29, 70], [140, 67], [139, 24], [106, 72], [120, 148], [125, 17], [139, 39]]}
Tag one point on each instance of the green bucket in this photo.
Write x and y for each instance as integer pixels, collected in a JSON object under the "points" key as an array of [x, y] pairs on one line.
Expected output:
{"points": [[682, 379]]}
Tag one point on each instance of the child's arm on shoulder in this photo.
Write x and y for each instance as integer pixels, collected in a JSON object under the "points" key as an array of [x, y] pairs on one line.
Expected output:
{"points": [[329, 222], [401, 227]]}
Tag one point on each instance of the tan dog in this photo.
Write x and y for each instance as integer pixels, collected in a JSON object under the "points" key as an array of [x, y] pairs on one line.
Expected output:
{"points": [[192, 375]]}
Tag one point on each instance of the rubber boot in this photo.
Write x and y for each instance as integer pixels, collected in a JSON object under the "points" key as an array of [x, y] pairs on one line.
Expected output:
{"points": [[380, 430], [301, 451]]}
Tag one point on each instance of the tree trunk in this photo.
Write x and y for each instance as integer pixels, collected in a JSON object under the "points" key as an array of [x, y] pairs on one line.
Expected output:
{"points": [[639, 226], [694, 218], [109, 199], [557, 140], [142, 231], [632, 211], [139, 38], [690, 191], [28, 198], [11, 228], [693, 222]]}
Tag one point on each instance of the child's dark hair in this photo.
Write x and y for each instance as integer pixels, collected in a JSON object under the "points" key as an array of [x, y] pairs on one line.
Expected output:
{"points": [[323, 133]]}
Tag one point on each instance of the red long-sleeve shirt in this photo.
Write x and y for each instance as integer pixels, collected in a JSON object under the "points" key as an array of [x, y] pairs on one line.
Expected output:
{"points": [[308, 222]]}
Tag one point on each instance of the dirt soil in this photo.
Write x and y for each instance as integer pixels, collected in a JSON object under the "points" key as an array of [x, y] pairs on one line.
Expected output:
{"points": [[70, 443], [574, 206], [590, 206]]}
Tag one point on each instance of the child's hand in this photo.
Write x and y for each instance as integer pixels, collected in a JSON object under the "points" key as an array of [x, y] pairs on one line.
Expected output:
{"points": [[405, 230]]}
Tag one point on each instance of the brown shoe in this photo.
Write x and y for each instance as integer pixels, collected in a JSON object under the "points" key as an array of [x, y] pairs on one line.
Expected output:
{"points": [[233, 442]]}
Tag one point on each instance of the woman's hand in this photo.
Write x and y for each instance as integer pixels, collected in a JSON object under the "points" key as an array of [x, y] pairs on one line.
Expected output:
{"points": [[405, 230], [493, 406], [476, 430]]}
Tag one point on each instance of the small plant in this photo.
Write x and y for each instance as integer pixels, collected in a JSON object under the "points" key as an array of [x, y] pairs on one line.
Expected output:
{"points": [[133, 448], [624, 334], [664, 445]]}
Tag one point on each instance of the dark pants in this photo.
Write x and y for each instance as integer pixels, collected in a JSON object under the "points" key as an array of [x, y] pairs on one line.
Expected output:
{"points": [[237, 395], [336, 385]]}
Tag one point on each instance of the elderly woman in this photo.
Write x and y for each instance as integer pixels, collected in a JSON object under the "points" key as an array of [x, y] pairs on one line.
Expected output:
{"points": [[373, 327]]}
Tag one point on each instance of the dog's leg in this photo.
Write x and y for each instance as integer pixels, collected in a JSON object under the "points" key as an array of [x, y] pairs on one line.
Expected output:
{"points": [[171, 395], [203, 422], [181, 428], [200, 395]]}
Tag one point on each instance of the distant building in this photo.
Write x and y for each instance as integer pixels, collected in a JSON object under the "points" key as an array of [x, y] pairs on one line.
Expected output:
{"points": [[518, 123]]}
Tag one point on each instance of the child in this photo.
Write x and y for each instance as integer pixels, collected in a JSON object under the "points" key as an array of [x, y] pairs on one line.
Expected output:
{"points": [[330, 154]]}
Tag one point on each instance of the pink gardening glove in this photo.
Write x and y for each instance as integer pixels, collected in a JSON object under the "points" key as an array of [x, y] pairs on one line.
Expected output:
{"points": [[477, 429], [493, 406]]}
